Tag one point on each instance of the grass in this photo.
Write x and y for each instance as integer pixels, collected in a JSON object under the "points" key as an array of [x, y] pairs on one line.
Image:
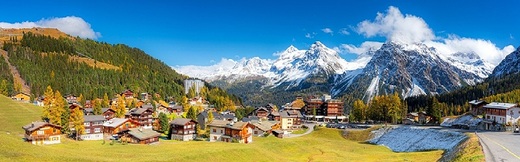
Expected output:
{"points": [[359, 135], [300, 131], [472, 151], [93, 63], [6, 34], [321, 145]]}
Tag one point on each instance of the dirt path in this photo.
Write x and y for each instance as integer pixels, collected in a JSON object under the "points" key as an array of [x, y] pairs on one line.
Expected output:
{"points": [[16, 75], [310, 128]]}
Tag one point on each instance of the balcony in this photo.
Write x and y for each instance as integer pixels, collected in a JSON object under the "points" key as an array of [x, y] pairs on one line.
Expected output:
{"points": [[36, 137]]}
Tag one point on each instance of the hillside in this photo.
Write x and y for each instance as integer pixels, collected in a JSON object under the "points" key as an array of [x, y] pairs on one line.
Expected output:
{"points": [[77, 66], [323, 145]]}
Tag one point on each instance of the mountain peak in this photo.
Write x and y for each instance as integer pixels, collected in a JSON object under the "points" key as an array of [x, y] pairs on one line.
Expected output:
{"points": [[290, 49], [318, 44]]}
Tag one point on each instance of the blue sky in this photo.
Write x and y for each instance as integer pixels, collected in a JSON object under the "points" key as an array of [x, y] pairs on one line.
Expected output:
{"points": [[197, 32]]}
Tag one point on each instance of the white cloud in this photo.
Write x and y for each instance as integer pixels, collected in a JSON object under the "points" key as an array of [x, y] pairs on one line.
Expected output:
{"points": [[328, 31], [344, 31], [412, 29], [396, 27], [363, 48], [71, 25], [485, 49]]}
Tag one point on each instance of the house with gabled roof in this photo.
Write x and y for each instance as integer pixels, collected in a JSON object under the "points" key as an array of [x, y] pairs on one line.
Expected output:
{"points": [[501, 114], [22, 97], [264, 127], [42, 133], [183, 129], [291, 119], [93, 127], [229, 131], [477, 107], [116, 127], [141, 136], [141, 115]]}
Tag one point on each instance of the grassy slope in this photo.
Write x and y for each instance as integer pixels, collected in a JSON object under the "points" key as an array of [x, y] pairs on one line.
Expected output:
{"points": [[472, 150], [322, 145]]}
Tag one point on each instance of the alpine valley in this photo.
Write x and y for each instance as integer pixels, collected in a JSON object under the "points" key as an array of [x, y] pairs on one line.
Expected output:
{"points": [[408, 69]]}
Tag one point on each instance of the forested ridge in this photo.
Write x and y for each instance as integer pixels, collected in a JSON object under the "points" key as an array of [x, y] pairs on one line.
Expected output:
{"points": [[46, 61]]}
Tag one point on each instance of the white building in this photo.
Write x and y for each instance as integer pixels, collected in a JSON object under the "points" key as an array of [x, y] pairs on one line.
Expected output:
{"points": [[193, 82], [501, 113]]}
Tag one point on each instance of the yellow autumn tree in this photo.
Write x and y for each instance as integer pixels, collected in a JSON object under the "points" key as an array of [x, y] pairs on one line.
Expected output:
{"points": [[77, 120], [57, 108], [48, 101]]}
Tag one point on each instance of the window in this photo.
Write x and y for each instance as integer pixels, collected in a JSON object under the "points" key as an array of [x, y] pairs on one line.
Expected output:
{"points": [[86, 124], [87, 131], [215, 130], [40, 132], [214, 137], [97, 130], [256, 132], [221, 131]]}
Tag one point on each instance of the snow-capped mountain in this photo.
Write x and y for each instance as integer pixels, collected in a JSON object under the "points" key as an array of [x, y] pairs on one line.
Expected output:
{"points": [[406, 69], [510, 65], [293, 65]]}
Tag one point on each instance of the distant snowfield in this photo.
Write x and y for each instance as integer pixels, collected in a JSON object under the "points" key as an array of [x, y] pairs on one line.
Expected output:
{"points": [[410, 139]]}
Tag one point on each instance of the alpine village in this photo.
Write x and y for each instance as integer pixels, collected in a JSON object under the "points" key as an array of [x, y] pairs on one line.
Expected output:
{"points": [[63, 96]]}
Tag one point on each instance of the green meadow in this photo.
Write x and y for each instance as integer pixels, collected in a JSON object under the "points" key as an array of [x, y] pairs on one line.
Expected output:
{"points": [[322, 145]]}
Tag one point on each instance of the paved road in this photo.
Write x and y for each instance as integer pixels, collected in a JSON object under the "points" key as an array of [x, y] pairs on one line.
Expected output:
{"points": [[309, 130], [500, 146]]}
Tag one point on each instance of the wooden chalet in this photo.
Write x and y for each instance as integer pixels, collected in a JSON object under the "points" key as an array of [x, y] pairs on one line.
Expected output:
{"points": [[108, 113], [42, 133], [141, 115], [71, 98], [117, 127], [93, 127], [141, 136], [128, 94], [228, 131], [73, 106], [183, 129], [22, 97], [477, 107], [264, 127], [88, 103]]}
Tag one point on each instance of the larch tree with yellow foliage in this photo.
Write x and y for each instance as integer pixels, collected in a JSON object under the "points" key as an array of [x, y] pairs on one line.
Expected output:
{"points": [[77, 120], [48, 102]]}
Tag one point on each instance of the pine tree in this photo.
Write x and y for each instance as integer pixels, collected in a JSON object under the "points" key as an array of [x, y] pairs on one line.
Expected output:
{"points": [[3, 88], [192, 114], [65, 121], [48, 102], [163, 121]]}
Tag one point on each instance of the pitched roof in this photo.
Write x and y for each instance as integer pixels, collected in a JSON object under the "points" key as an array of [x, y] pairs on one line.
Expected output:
{"points": [[219, 123], [114, 122], [290, 114], [36, 125], [250, 118], [238, 125], [413, 114], [147, 106], [90, 118], [264, 126], [181, 121], [215, 115], [137, 111], [105, 109], [497, 105], [476, 102], [143, 134]]}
